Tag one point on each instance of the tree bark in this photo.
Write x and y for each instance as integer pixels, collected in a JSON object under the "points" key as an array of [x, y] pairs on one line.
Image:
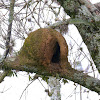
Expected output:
{"points": [[69, 73], [10, 21], [55, 86], [97, 5], [84, 10]]}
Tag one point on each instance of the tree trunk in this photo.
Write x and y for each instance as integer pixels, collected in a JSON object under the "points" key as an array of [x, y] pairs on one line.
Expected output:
{"points": [[84, 10], [55, 86]]}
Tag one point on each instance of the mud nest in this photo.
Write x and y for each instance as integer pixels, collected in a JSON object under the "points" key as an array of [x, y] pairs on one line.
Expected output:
{"points": [[44, 47]]}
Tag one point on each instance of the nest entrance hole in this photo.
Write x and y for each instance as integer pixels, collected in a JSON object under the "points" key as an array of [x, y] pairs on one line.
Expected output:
{"points": [[56, 55]]}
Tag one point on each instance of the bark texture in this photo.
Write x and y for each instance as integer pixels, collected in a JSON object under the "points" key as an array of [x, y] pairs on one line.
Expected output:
{"points": [[55, 86], [84, 10], [97, 5], [69, 73], [10, 21]]}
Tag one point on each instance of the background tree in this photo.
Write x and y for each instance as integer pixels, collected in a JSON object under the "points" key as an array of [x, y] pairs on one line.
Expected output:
{"points": [[30, 15]]}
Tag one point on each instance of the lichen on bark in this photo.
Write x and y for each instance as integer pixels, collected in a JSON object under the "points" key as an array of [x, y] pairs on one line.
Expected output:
{"points": [[90, 32]]}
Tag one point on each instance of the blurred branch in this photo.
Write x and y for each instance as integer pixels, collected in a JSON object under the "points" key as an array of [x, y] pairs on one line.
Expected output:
{"points": [[11, 17], [91, 8], [3, 75], [68, 21], [2, 46], [97, 5], [10, 20], [26, 89]]}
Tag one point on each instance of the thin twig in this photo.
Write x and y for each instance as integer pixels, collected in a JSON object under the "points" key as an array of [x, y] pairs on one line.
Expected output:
{"points": [[28, 86]]}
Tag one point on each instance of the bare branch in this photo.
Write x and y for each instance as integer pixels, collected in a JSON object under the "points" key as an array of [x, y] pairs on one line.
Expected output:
{"points": [[91, 7], [9, 27], [69, 73], [97, 5], [68, 21], [26, 88], [3, 75], [12, 2]]}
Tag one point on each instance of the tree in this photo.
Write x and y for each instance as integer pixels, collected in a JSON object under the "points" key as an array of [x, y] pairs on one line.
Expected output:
{"points": [[82, 13]]}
